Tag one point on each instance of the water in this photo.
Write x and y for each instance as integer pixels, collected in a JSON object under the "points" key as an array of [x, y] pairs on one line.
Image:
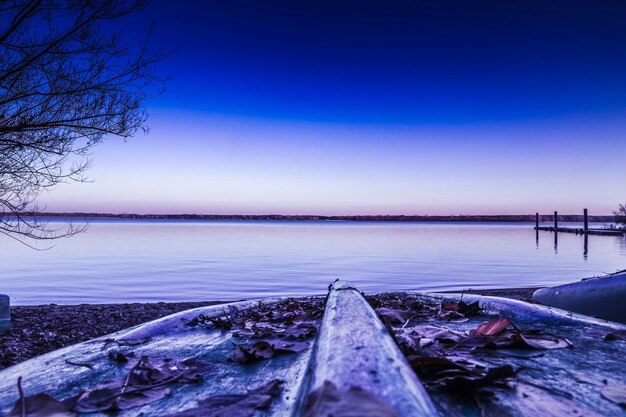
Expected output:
{"points": [[126, 261]]}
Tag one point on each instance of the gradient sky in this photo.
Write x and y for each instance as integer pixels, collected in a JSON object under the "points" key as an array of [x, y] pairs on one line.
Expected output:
{"points": [[356, 107]]}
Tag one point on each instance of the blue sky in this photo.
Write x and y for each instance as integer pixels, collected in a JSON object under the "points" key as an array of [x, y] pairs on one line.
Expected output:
{"points": [[346, 107]]}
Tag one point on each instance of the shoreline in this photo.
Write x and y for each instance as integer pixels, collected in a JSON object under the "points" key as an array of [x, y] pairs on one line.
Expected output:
{"points": [[43, 328], [473, 218]]}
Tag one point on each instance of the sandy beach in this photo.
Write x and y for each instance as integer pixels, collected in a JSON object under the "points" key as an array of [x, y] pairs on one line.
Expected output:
{"points": [[40, 329]]}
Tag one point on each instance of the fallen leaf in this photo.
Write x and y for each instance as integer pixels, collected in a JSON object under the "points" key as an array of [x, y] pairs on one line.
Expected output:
{"points": [[492, 327], [40, 405], [428, 365], [110, 398], [474, 379], [409, 343], [392, 316], [469, 309], [461, 307], [148, 380], [259, 350], [615, 335], [119, 357], [235, 405], [615, 392], [263, 349], [431, 334], [329, 401]]}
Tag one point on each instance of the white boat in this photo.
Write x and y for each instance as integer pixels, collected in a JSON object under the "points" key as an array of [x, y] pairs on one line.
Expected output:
{"points": [[603, 297]]}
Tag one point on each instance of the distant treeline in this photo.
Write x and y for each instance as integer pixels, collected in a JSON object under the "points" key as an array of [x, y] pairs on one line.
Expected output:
{"points": [[360, 218]]}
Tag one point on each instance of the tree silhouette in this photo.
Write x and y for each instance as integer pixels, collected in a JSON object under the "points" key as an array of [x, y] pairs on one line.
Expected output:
{"points": [[620, 214], [67, 80]]}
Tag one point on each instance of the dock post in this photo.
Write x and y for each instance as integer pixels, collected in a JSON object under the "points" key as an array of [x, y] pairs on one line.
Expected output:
{"points": [[586, 220], [536, 221], [556, 222]]}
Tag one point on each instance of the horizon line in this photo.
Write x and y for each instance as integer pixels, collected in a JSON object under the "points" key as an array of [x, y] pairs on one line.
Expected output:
{"points": [[324, 216]]}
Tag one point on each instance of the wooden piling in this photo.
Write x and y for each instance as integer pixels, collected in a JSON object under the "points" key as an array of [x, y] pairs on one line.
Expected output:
{"points": [[556, 221], [537, 221], [586, 220]]}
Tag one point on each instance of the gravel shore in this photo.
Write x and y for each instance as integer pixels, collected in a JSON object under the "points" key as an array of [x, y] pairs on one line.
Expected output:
{"points": [[40, 329]]}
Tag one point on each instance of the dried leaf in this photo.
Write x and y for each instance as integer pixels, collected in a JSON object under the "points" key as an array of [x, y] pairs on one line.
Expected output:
{"points": [[615, 335], [392, 316], [328, 401], [616, 393], [140, 398], [462, 308], [119, 357], [263, 349], [40, 405], [102, 398], [409, 343], [148, 380], [453, 316], [473, 380], [235, 405], [260, 350], [469, 309], [428, 365], [492, 327], [431, 334]]}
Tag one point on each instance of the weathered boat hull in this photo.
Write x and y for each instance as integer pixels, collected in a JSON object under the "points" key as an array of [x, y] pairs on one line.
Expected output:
{"points": [[603, 297], [353, 355]]}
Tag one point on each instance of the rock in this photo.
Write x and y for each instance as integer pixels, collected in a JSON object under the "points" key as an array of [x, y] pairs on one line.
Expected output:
{"points": [[5, 313]]}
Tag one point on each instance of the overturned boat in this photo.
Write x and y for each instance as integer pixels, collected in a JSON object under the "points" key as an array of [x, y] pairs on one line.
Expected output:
{"points": [[603, 297], [395, 354]]}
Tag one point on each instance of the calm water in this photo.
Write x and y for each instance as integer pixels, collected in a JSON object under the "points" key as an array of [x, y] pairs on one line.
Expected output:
{"points": [[121, 260]]}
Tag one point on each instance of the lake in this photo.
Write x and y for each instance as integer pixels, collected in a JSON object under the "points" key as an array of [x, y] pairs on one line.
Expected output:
{"points": [[163, 260]]}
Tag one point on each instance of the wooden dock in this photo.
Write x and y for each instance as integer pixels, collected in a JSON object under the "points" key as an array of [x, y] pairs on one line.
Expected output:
{"points": [[585, 230], [580, 231]]}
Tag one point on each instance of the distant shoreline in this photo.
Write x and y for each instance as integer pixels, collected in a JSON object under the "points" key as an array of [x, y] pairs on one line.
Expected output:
{"points": [[360, 218]]}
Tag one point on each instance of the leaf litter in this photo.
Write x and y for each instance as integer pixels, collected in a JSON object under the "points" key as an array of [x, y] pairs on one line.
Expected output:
{"points": [[282, 328], [268, 330], [449, 360], [148, 380]]}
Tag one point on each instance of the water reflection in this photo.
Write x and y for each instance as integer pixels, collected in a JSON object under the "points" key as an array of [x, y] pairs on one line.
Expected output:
{"points": [[621, 244], [537, 239], [619, 240], [556, 243]]}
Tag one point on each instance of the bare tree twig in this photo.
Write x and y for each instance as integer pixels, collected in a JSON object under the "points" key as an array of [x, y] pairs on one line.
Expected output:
{"points": [[67, 82]]}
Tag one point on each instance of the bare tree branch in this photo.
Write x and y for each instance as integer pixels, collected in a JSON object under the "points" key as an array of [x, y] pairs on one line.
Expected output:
{"points": [[620, 215], [67, 81]]}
